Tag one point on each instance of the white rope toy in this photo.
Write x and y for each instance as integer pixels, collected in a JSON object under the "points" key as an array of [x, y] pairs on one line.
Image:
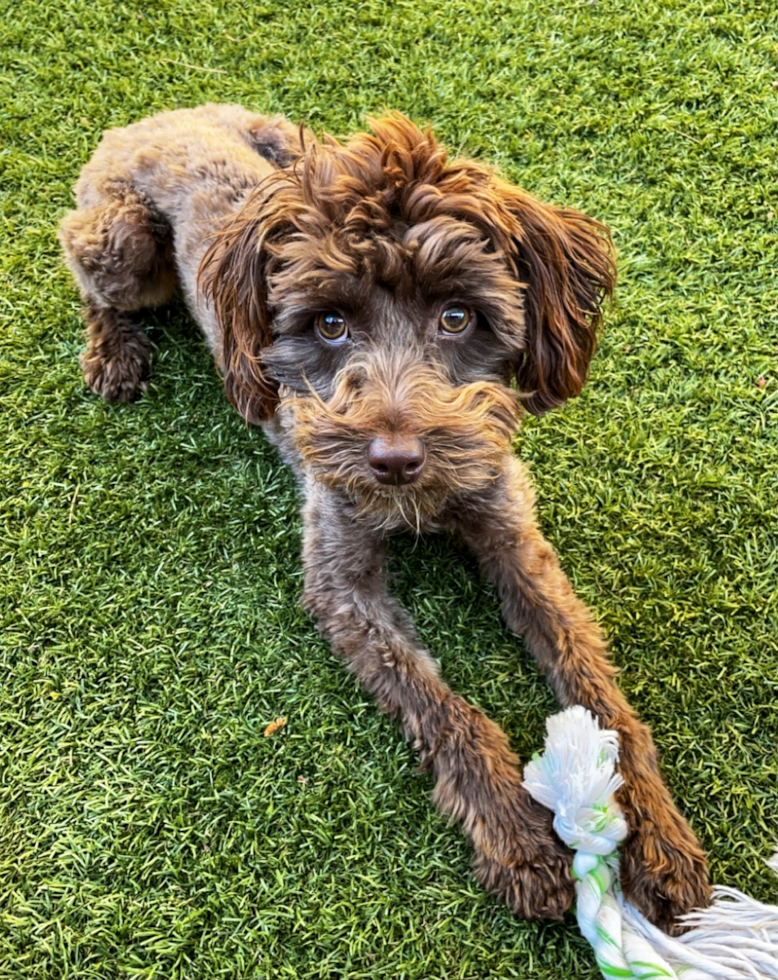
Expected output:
{"points": [[735, 939]]}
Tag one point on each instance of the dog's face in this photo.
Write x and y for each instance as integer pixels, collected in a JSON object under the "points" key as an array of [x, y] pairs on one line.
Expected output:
{"points": [[394, 297]]}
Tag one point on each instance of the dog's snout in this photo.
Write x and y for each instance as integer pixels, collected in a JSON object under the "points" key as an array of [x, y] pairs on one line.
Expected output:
{"points": [[397, 459]]}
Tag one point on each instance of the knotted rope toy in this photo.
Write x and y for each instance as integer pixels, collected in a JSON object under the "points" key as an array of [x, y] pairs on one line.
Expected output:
{"points": [[736, 938]]}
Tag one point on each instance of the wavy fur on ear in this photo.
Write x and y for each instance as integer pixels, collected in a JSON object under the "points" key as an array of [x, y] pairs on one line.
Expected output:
{"points": [[566, 260], [232, 277]]}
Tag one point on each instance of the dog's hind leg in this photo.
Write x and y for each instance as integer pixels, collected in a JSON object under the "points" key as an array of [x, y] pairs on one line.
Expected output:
{"points": [[117, 358], [121, 253]]}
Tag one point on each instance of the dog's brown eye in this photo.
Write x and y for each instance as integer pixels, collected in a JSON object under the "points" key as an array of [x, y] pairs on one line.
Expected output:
{"points": [[455, 319], [331, 327]]}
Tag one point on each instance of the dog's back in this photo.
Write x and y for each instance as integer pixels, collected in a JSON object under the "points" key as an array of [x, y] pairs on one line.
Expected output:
{"points": [[168, 179]]}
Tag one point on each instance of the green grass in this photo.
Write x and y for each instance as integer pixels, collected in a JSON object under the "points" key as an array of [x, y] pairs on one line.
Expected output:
{"points": [[150, 577]]}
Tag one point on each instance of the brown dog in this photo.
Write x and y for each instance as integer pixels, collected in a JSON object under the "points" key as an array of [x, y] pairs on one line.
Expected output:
{"points": [[370, 305]]}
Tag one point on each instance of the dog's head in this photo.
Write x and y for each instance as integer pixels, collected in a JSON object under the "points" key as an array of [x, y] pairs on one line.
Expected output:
{"points": [[398, 295]]}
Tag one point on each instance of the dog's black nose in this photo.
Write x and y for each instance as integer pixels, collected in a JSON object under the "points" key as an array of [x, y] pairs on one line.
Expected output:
{"points": [[396, 459]]}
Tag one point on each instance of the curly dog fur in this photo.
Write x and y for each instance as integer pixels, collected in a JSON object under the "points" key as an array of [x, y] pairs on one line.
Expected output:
{"points": [[387, 314]]}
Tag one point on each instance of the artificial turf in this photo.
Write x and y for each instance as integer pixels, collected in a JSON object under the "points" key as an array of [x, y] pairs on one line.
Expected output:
{"points": [[150, 578]]}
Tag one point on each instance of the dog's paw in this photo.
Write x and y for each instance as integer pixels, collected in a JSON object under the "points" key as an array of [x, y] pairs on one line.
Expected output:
{"points": [[538, 885], [118, 374], [522, 861], [664, 873]]}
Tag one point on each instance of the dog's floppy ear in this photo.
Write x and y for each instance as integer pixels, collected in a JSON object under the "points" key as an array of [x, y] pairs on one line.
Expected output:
{"points": [[565, 260], [233, 277]]}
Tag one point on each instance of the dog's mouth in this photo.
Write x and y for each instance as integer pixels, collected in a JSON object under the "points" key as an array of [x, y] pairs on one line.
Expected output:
{"points": [[411, 440]]}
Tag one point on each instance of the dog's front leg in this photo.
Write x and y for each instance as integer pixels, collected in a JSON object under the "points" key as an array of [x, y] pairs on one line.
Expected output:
{"points": [[663, 867], [518, 857]]}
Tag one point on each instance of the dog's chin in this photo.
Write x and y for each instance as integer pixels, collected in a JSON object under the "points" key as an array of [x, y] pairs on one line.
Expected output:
{"points": [[412, 506], [401, 508]]}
